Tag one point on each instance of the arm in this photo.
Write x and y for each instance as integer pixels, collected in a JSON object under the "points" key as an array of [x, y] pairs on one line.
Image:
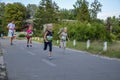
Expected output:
{"points": [[60, 36], [8, 26], [68, 38], [45, 36]]}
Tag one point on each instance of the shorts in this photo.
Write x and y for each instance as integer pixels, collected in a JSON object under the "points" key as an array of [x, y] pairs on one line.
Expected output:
{"points": [[48, 44], [10, 33], [28, 37], [63, 43]]}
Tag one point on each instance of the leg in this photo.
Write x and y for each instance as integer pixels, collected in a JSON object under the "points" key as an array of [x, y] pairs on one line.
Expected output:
{"points": [[61, 44], [12, 37], [27, 42], [45, 45], [31, 42], [50, 49], [64, 43]]}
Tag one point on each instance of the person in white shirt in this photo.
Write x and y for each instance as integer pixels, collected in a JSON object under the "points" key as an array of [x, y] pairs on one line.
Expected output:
{"points": [[63, 37], [11, 27]]}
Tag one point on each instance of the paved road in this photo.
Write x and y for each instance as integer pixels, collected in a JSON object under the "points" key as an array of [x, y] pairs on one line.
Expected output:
{"points": [[32, 64]]}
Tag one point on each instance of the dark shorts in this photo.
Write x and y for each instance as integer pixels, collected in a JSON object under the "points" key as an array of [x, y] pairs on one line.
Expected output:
{"points": [[28, 37], [48, 44]]}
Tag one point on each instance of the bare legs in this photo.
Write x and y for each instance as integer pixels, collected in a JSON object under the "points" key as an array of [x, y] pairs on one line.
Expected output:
{"points": [[11, 40], [29, 42]]}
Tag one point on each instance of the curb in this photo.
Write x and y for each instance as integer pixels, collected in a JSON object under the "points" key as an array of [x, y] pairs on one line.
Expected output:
{"points": [[3, 71]]}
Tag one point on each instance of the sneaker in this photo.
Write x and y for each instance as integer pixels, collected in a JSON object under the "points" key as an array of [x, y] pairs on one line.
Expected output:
{"points": [[27, 45], [11, 44], [30, 45], [50, 58], [59, 46]]}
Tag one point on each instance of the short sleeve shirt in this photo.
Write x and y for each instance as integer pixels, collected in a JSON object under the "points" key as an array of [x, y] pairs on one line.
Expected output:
{"points": [[11, 27], [63, 36]]}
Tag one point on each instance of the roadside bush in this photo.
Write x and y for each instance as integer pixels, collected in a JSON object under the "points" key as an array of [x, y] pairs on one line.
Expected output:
{"points": [[83, 31], [21, 35], [118, 36], [113, 36]]}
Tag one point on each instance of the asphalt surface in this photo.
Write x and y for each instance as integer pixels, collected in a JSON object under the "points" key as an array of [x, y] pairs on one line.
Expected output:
{"points": [[33, 64]]}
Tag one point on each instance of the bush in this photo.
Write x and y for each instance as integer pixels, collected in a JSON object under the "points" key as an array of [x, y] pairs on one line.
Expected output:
{"points": [[113, 36], [21, 35], [118, 36], [83, 31]]}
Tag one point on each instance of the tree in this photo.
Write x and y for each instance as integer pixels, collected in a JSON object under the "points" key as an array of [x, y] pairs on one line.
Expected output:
{"points": [[67, 14], [82, 12], [31, 10], [95, 9], [15, 11], [77, 6], [47, 13], [2, 7]]}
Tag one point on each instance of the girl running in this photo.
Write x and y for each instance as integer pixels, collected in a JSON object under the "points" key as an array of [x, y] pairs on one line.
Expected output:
{"points": [[63, 37], [48, 39], [29, 35]]}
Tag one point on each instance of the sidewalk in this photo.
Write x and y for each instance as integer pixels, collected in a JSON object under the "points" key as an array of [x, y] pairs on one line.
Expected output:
{"points": [[3, 71]]}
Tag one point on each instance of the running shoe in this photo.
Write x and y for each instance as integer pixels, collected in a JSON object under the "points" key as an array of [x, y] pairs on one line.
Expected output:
{"points": [[27, 45], [50, 57], [11, 44], [30, 45]]}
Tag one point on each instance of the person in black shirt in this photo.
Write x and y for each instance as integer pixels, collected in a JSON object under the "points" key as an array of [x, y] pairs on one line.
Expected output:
{"points": [[48, 36]]}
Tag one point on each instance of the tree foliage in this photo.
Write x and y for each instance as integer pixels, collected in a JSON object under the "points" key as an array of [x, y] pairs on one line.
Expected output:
{"points": [[82, 11], [67, 14], [82, 31], [47, 13], [2, 7], [15, 11], [95, 9], [31, 11]]}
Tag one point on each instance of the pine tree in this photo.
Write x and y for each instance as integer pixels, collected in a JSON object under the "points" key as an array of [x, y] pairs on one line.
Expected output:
{"points": [[95, 9], [82, 12], [46, 13], [31, 11]]}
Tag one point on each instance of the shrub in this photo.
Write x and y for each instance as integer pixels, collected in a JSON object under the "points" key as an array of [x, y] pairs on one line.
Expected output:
{"points": [[113, 36], [118, 36], [21, 35], [83, 31]]}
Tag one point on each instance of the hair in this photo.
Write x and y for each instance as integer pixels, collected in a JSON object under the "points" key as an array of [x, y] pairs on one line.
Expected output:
{"points": [[60, 30]]}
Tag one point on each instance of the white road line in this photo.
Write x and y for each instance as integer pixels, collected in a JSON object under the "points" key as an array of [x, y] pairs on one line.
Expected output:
{"points": [[49, 63], [31, 53]]}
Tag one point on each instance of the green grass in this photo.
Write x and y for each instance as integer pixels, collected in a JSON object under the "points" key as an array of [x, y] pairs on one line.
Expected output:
{"points": [[97, 48]]}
